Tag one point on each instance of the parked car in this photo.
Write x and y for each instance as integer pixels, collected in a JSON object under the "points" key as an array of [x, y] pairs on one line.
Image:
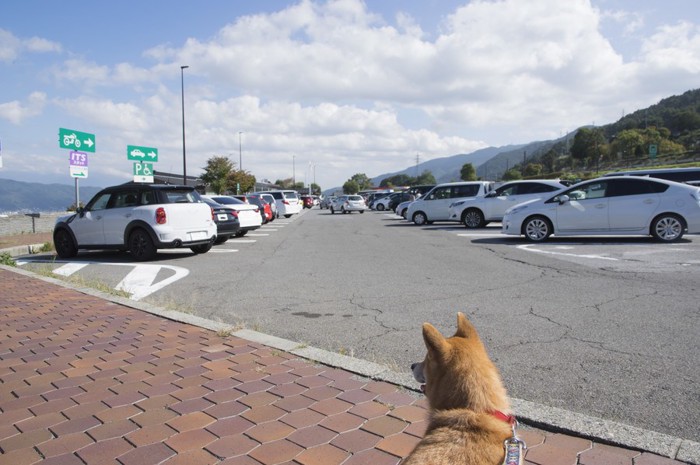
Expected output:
{"points": [[626, 205], [435, 205], [391, 201], [266, 213], [287, 202], [307, 201], [273, 204], [327, 201], [402, 208], [374, 196], [478, 212], [248, 215], [139, 218], [348, 204], [227, 224]]}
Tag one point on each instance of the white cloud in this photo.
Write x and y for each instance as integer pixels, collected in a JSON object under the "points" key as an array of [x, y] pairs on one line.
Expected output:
{"points": [[16, 112], [12, 47]]}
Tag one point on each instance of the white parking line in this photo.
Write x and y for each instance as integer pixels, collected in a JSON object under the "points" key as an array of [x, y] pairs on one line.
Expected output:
{"points": [[139, 282], [260, 235], [223, 250], [69, 268], [529, 248], [244, 241]]}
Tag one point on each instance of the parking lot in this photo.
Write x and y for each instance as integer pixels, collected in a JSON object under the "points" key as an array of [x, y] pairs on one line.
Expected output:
{"points": [[606, 326]]}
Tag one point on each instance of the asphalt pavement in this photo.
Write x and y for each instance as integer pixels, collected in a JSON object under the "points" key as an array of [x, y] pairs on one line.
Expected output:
{"points": [[89, 378]]}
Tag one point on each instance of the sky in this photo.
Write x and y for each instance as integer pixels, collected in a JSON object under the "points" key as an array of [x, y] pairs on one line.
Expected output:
{"points": [[321, 90]]}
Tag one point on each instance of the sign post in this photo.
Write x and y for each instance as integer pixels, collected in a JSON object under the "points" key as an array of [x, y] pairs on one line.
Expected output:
{"points": [[145, 156], [74, 140]]}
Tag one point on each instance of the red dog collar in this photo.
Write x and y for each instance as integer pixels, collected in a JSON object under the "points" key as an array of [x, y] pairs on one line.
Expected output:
{"points": [[510, 419]]}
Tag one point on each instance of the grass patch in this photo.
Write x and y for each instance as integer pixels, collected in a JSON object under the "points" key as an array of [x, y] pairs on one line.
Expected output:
{"points": [[47, 247], [6, 259]]}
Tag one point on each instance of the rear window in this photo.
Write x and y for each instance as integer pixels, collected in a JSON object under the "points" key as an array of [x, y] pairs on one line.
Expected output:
{"points": [[354, 197], [228, 200], [290, 194], [180, 196]]}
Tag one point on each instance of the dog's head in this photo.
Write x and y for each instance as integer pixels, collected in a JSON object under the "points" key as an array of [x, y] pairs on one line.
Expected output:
{"points": [[457, 372]]}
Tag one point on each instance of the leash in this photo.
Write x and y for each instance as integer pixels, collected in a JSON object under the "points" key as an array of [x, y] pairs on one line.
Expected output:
{"points": [[514, 446]]}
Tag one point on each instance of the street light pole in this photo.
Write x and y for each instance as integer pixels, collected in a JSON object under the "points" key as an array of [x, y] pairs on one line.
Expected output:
{"points": [[240, 152], [184, 157]]}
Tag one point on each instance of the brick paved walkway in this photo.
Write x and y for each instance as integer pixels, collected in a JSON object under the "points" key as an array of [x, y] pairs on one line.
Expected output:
{"points": [[87, 381]]}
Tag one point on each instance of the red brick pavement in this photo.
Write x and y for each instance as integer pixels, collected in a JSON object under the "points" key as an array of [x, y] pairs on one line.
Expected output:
{"points": [[88, 381]]}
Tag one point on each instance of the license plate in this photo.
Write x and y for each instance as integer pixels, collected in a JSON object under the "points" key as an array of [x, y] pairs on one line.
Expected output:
{"points": [[198, 235], [222, 216]]}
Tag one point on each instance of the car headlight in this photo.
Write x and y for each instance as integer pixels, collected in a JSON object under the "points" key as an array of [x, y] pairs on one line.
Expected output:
{"points": [[516, 209]]}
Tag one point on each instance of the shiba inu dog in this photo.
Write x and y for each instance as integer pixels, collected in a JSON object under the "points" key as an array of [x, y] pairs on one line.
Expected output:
{"points": [[469, 410]]}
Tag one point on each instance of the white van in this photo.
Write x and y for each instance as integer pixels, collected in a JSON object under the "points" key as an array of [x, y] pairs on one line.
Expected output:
{"points": [[435, 204], [287, 202]]}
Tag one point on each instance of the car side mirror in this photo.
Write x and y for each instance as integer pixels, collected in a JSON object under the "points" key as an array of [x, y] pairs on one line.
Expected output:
{"points": [[491, 194], [563, 199]]}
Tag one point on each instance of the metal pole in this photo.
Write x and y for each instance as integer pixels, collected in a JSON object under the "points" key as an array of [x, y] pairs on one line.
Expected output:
{"points": [[240, 152], [184, 157], [77, 194]]}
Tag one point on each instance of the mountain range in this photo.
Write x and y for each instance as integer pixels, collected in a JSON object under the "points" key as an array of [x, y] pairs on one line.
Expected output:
{"points": [[26, 197]]}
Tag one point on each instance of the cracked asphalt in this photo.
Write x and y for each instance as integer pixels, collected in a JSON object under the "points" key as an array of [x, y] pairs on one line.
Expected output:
{"points": [[604, 328]]}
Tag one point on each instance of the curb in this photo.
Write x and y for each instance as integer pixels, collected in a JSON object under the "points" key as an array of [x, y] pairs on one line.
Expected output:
{"points": [[537, 415], [22, 250]]}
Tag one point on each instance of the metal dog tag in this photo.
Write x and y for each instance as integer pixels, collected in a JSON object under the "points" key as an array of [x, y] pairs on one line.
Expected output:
{"points": [[514, 451]]}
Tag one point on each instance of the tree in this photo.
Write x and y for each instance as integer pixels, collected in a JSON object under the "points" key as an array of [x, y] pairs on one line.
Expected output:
{"points": [[217, 172], [588, 144], [285, 183], [511, 175], [362, 181], [397, 180], [351, 187], [240, 181], [532, 169], [426, 177], [467, 173]]}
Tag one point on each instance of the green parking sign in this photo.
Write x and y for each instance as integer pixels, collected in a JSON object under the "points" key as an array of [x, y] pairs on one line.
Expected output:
{"points": [[139, 153], [76, 140], [652, 150]]}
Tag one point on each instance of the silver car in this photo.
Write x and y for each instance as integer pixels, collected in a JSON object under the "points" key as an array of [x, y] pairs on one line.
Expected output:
{"points": [[349, 203]]}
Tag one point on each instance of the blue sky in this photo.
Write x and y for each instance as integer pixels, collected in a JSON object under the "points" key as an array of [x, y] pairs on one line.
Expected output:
{"points": [[344, 86]]}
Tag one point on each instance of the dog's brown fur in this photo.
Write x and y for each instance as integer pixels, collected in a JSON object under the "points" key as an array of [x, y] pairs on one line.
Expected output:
{"points": [[463, 389]]}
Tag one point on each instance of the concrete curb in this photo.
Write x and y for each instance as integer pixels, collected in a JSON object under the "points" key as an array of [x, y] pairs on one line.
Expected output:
{"points": [[536, 415]]}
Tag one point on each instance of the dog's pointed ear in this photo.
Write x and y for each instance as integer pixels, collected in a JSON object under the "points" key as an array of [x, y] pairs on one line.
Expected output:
{"points": [[464, 328], [434, 341]]}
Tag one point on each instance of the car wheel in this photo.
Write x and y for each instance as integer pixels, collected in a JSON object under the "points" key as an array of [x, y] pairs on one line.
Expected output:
{"points": [[342, 210], [667, 228], [537, 228], [220, 240], [240, 233], [420, 219], [332, 211], [141, 245], [63, 242], [403, 213], [380, 207], [202, 248], [473, 219], [288, 216], [362, 211]]}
